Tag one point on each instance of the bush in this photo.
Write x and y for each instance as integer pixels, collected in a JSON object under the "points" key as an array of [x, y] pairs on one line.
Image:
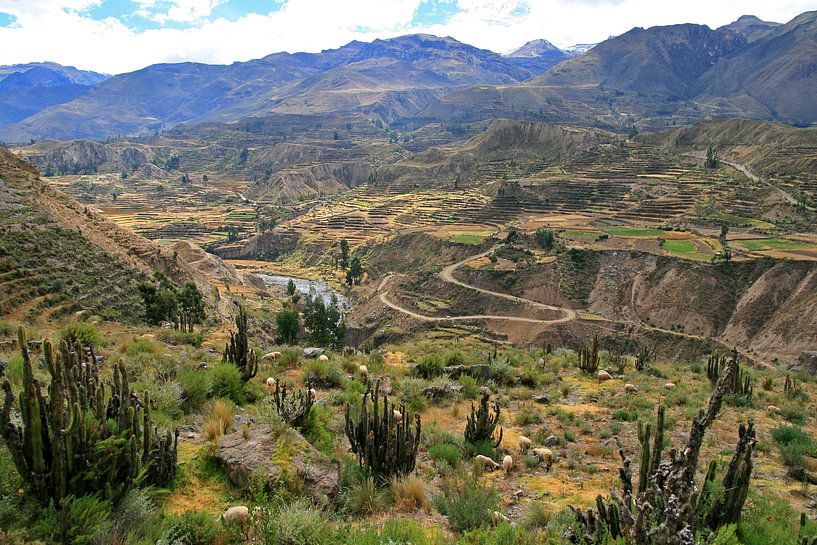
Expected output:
{"points": [[85, 518], [451, 454], [504, 534], [503, 373], [411, 393], [82, 332], [195, 389], [466, 502], [366, 497], [175, 337], [409, 493], [135, 518], [218, 416], [429, 367], [323, 374], [525, 417], [225, 382], [794, 414], [794, 444], [470, 390], [376, 362], [142, 346], [191, 528], [768, 520]]}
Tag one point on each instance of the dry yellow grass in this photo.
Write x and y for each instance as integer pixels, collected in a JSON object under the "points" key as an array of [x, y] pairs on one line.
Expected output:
{"points": [[409, 493]]}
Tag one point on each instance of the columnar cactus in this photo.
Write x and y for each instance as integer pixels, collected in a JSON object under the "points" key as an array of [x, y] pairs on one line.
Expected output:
{"points": [[481, 424], [382, 437], [589, 357], [740, 383], [237, 351], [71, 442], [293, 408]]}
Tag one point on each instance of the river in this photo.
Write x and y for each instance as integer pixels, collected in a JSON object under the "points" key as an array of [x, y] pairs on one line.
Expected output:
{"points": [[305, 286]]}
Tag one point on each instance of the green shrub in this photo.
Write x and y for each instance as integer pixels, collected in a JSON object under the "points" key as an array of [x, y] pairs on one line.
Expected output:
{"points": [[451, 454], [302, 524], [503, 373], [82, 332], [504, 534], [325, 374], [411, 393], [794, 414], [429, 367], [142, 346], [454, 358], [794, 444], [726, 536], [466, 502], [470, 389], [191, 528], [85, 518], [225, 382], [376, 362], [316, 429], [176, 337], [195, 389], [290, 358], [525, 417], [768, 520]]}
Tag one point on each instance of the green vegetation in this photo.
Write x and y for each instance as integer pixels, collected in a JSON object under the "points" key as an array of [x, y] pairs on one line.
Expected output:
{"points": [[622, 231], [165, 302], [771, 244], [473, 240]]}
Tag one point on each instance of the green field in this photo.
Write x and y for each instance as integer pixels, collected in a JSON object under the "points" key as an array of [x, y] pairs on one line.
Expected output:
{"points": [[474, 240], [579, 234], [622, 231], [771, 244], [683, 248]]}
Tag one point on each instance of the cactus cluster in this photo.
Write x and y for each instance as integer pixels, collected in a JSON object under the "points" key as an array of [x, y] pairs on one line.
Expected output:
{"points": [[589, 357], [791, 388], [740, 383], [481, 424], [669, 508], [237, 351], [644, 357], [293, 408], [383, 439], [81, 439]]}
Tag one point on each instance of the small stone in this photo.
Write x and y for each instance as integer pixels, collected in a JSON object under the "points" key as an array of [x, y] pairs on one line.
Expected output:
{"points": [[551, 441], [543, 399], [191, 435]]}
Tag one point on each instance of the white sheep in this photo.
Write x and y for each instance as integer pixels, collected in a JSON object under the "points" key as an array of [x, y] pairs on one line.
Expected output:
{"points": [[524, 443], [603, 375], [364, 371], [544, 454], [631, 388], [498, 518], [323, 358], [237, 515], [271, 356], [486, 462], [271, 382], [773, 409], [669, 386], [313, 394], [397, 414], [507, 464]]}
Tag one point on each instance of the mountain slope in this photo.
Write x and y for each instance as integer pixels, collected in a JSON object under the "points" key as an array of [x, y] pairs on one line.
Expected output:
{"points": [[538, 56], [57, 257], [26, 89], [394, 77], [750, 27], [774, 77]]}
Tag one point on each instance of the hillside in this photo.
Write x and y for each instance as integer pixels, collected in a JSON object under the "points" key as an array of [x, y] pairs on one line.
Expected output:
{"points": [[538, 56], [750, 27], [59, 257]]}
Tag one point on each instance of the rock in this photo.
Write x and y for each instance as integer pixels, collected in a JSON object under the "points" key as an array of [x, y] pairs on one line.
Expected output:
{"points": [[191, 435], [551, 441], [544, 400], [441, 391], [34, 344], [479, 371], [312, 352], [3, 365], [274, 454], [806, 362], [202, 365]]}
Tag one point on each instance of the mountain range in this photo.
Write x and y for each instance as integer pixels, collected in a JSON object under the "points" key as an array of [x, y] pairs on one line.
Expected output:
{"points": [[654, 77]]}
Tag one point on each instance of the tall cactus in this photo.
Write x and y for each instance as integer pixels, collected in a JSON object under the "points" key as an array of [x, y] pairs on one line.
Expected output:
{"points": [[589, 357], [382, 438], [237, 351], [740, 383], [71, 442], [481, 424], [650, 456], [294, 408]]}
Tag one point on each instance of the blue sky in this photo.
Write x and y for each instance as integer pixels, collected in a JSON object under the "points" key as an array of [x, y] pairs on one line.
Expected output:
{"points": [[117, 36]]}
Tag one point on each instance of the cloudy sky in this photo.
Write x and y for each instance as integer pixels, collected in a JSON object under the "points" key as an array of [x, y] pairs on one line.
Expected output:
{"points": [[116, 36]]}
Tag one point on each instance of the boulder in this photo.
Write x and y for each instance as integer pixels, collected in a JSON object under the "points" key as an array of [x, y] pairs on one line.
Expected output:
{"points": [[543, 399], [479, 371], [806, 362], [276, 454], [312, 352], [551, 441], [441, 391]]}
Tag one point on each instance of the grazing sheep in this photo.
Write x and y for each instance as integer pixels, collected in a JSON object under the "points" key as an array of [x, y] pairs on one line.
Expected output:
{"points": [[669, 386], [364, 371], [486, 462], [773, 409], [497, 518], [524, 443], [544, 454], [271, 382], [312, 393], [397, 414], [237, 515], [630, 388], [603, 375], [271, 356], [507, 464], [323, 358]]}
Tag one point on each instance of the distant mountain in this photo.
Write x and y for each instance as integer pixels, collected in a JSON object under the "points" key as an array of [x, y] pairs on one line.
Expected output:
{"points": [[538, 56], [392, 78], [26, 89], [664, 61], [579, 49], [774, 77], [750, 27]]}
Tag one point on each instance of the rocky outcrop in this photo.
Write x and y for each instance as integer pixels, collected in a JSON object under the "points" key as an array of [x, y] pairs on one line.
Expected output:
{"points": [[276, 455], [806, 362]]}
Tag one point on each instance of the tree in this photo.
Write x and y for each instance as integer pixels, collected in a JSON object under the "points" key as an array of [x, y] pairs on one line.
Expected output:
{"points": [[344, 253], [191, 307], [291, 289], [289, 326], [544, 238], [355, 273], [633, 132], [512, 236], [165, 302], [324, 323], [712, 157], [243, 156]]}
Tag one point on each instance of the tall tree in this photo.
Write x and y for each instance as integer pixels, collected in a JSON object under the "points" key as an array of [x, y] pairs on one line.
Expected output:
{"points": [[344, 253]]}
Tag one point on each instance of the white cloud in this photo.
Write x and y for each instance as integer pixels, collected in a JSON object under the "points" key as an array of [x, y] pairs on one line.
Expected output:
{"points": [[56, 30]]}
